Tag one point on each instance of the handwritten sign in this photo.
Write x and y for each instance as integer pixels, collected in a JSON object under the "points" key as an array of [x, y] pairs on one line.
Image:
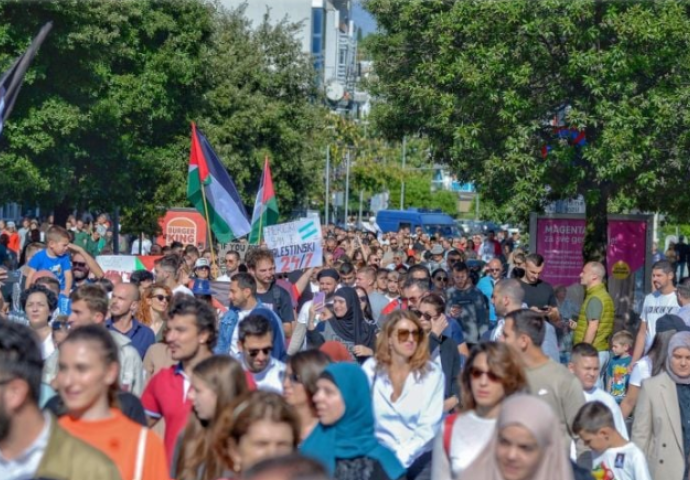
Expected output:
{"points": [[295, 245], [241, 248]]}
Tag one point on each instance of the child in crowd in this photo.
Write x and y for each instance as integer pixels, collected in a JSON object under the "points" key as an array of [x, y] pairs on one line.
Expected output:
{"points": [[614, 456], [55, 258], [617, 374]]}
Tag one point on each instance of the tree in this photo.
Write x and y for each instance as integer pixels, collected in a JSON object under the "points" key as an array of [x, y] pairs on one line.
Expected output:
{"points": [[483, 80], [103, 120]]}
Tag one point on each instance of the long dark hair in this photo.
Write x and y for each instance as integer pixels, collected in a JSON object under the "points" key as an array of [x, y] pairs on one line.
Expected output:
{"points": [[659, 351]]}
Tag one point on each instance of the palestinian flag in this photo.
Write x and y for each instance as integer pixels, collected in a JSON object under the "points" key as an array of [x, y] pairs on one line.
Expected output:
{"points": [[265, 207], [219, 202]]}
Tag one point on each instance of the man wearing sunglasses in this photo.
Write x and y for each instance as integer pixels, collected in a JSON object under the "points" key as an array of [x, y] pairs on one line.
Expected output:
{"points": [[83, 266], [255, 345]]}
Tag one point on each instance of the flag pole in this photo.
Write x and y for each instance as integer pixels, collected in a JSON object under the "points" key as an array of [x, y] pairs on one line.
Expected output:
{"points": [[208, 225], [261, 214]]}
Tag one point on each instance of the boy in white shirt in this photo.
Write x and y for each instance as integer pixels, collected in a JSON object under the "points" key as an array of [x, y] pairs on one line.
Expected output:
{"points": [[613, 454]]}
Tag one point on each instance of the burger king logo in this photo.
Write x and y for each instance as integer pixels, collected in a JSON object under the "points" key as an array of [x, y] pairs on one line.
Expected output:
{"points": [[182, 230]]}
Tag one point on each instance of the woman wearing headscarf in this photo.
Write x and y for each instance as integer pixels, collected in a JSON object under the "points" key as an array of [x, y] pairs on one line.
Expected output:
{"points": [[344, 440], [345, 323], [662, 415], [524, 446]]}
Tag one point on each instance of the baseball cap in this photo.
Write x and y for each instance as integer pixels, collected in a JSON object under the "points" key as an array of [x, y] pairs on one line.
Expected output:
{"points": [[202, 263]]}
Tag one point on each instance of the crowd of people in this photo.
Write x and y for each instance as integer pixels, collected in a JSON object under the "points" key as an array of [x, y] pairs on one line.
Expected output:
{"points": [[404, 356]]}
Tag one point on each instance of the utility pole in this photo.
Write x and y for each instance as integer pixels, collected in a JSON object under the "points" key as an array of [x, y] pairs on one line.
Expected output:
{"points": [[361, 201], [402, 184], [347, 186], [328, 182]]}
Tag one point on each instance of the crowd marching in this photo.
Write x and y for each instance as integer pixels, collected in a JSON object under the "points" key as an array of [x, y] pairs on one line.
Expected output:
{"points": [[405, 356]]}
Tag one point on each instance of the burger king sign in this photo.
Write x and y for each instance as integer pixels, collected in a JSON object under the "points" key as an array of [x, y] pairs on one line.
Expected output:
{"points": [[183, 225]]}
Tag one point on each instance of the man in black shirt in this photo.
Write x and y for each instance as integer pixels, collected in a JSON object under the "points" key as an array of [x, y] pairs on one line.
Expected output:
{"points": [[539, 295], [682, 253], [262, 267]]}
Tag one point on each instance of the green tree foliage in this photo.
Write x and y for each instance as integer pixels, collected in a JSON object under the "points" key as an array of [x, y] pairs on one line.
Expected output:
{"points": [[482, 79], [103, 120]]}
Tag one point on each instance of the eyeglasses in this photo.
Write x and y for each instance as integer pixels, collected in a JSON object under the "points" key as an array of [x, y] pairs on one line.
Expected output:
{"points": [[441, 279], [229, 260], [494, 269], [161, 298], [477, 373], [294, 378], [254, 352], [363, 298], [404, 334], [79, 264]]}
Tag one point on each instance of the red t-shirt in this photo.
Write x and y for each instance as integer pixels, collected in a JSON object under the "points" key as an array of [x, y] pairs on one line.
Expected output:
{"points": [[166, 397]]}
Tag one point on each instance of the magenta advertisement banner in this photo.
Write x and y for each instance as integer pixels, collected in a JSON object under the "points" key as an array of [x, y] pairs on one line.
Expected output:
{"points": [[626, 249], [559, 241]]}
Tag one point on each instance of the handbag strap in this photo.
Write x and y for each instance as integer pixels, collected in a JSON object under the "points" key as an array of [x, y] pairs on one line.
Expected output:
{"points": [[141, 453]]}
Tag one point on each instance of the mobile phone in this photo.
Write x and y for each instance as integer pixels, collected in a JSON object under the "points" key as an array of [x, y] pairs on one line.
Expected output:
{"points": [[320, 301], [545, 308]]}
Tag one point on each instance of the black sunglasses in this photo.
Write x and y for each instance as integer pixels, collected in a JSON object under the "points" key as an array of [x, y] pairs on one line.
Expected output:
{"points": [[78, 264], [441, 279], [255, 351], [161, 298]]}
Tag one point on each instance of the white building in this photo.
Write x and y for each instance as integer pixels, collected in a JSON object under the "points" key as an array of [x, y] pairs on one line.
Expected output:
{"points": [[327, 34]]}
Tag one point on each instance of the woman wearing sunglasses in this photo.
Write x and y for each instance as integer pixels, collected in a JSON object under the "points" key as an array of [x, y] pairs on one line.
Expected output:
{"points": [[345, 324], [404, 381], [365, 305], [216, 382], [492, 373], [440, 280], [344, 440], [153, 310], [299, 386], [443, 349]]}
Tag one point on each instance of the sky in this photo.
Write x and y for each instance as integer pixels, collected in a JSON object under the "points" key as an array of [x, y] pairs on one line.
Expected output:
{"points": [[362, 18]]}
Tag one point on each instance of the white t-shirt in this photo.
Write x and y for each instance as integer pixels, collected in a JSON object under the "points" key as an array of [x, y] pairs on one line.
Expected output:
{"points": [[471, 434], [599, 395], [182, 289], [271, 378], [657, 305], [626, 463], [641, 371]]}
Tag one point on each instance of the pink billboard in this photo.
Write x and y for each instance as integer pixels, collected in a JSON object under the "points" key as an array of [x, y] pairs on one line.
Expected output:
{"points": [[560, 240]]}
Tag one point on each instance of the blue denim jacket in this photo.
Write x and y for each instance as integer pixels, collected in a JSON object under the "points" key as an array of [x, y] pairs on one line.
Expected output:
{"points": [[229, 322]]}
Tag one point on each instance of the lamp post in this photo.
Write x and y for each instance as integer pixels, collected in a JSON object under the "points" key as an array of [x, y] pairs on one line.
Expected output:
{"points": [[328, 182], [402, 184]]}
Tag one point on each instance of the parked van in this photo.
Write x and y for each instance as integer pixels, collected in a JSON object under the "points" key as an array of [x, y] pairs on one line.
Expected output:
{"points": [[433, 222]]}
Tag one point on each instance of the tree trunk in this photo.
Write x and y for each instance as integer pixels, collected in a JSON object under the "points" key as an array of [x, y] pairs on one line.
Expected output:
{"points": [[61, 212], [594, 247]]}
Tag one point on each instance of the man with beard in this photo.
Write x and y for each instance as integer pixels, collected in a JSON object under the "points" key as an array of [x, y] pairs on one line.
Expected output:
{"points": [[83, 265], [32, 443]]}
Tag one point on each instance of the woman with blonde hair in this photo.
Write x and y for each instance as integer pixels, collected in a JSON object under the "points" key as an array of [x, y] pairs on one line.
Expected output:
{"points": [[492, 373], [216, 382], [257, 426], [403, 378]]}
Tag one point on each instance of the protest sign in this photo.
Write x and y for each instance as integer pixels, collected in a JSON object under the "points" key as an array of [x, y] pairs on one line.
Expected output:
{"points": [[295, 245], [124, 265], [241, 248]]}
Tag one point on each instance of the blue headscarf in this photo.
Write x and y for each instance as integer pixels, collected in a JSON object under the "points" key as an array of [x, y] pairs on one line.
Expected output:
{"points": [[353, 435]]}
